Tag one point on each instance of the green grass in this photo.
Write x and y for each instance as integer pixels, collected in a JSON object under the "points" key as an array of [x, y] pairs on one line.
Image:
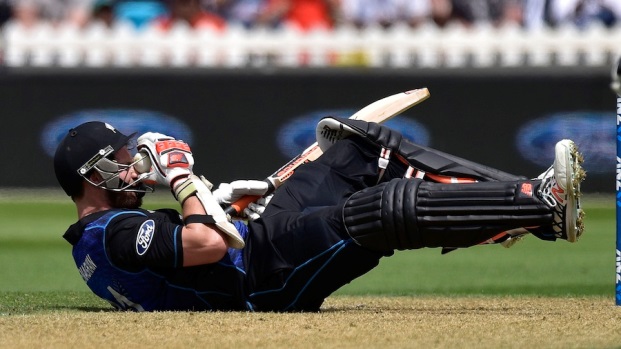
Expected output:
{"points": [[37, 272]]}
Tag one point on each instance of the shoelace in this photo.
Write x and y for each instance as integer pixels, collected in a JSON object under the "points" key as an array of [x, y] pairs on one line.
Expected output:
{"points": [[545, 189]]}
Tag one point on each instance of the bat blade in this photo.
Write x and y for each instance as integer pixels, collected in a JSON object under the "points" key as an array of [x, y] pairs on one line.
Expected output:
{"points": [[391, 106], [378, 111]]}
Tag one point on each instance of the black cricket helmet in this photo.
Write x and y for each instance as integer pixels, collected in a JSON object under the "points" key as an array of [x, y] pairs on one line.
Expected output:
{"points": [[91, 147]]}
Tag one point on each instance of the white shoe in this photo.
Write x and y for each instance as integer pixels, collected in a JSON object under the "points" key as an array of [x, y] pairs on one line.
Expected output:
{"points": [[560, 189]]}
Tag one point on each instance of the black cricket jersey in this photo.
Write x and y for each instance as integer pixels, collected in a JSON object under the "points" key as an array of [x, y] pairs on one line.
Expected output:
{"points": [[145, 270]]}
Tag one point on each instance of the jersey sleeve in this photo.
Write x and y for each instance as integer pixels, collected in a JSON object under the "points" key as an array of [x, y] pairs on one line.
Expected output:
{"points": [[145, 239]]}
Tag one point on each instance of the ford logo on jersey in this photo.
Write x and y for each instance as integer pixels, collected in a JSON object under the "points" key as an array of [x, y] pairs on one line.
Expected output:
{"points": [[145, 236]]}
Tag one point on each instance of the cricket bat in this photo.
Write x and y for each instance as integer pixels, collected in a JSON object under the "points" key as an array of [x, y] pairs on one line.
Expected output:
{"points": [[378, 111]]}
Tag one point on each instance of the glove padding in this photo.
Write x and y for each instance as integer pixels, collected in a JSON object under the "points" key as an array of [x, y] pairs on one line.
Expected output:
{"points": [[199, 187], [171, 159], [228, 193], [256, 209]]}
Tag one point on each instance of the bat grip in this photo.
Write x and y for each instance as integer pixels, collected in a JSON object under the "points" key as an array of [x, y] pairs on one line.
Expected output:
{"points": [[236, 208]]}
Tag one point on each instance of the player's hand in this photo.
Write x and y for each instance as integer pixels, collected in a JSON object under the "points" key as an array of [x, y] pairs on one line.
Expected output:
{"points": [[228, 193], [171, 159], [256, 209]]}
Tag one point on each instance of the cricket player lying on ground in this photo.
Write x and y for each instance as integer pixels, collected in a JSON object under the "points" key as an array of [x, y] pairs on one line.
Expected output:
{"points": [[329, 223]]}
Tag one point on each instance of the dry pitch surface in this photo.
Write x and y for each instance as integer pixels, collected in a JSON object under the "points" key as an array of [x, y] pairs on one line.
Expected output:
{"points": [[344, 322]]}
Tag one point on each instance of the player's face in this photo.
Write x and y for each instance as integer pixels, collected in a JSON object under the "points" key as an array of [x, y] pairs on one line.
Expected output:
{"points": [[123, 156], [125, 199]]}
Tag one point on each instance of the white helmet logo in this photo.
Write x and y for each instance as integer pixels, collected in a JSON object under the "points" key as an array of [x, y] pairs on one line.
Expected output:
{"points": [[110, 127]]}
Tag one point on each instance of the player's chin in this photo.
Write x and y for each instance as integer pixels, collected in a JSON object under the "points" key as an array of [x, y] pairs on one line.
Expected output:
{"points": [[125, 199]]}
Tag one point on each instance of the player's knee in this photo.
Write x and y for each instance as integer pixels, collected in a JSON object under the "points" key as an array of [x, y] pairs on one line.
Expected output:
{"points": [[383, 217], [384, 136]]}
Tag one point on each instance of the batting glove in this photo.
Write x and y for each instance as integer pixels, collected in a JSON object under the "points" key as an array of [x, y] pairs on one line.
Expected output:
{"points": [[228, 193], [171, 159], [256, 209]]}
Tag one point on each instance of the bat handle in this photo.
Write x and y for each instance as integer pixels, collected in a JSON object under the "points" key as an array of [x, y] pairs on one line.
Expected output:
{"points": [[238, 206]]}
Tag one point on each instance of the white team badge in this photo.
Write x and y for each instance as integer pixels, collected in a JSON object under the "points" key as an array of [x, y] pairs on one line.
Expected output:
{"points": [[145, 236]]}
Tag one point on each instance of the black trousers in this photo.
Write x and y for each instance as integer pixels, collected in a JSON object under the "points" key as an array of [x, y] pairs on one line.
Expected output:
{"points": [[298, 252]]}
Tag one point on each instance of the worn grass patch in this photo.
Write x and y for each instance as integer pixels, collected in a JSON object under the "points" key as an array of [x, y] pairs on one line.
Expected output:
{"points": [[344, 322]]}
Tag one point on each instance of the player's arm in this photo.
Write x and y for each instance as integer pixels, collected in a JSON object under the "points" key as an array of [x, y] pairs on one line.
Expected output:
{"points": [[202, 243], [136, 240], [207, 231]]}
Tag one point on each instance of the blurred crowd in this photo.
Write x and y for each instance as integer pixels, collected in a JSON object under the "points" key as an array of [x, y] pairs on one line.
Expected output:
{"points": [[311, 14]]}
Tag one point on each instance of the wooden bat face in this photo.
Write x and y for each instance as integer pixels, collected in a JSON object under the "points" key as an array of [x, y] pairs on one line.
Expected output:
{"points": [[391, 106]]}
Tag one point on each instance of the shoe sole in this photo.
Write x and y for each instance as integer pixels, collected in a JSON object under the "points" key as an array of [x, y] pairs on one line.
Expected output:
{"points": [[575, 174]]}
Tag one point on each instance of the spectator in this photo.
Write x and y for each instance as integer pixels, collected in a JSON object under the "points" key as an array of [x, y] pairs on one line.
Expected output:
{"points": [[191, 12], [103, 12], [364, 13], [507, 12], [140, 13], [470, 12], [583, 12], [441, 12], [244, 12], [28, 12], [5, 11], [536, 13], [301, 14]]}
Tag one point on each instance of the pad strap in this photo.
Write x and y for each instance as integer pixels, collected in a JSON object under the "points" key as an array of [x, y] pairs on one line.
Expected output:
{"points": [[382, 162]]}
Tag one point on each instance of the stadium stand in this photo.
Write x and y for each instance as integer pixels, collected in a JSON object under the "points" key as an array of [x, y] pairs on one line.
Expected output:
{"points": [[430, 44]]}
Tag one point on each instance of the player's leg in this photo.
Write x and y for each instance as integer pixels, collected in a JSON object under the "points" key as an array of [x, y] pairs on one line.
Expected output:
{"points": [[411, 160], [347, 167], [438, 166], [300, 252], [298, 260], [563, 188], [403, 159], [409, 214]]}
